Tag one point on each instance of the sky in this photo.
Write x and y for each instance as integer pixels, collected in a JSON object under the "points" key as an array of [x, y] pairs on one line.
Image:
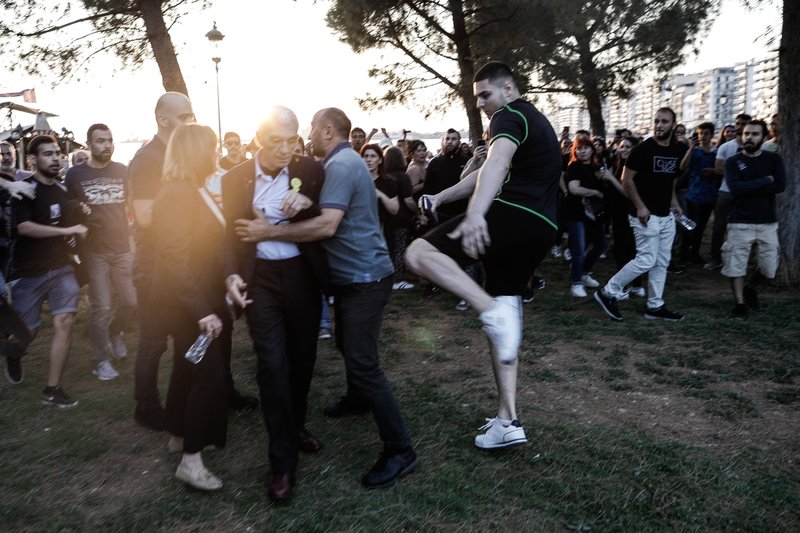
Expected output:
{"points": [[282, 52]]}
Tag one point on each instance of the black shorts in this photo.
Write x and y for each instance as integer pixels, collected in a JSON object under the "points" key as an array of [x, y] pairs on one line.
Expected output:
{"points": [[520, 240]]}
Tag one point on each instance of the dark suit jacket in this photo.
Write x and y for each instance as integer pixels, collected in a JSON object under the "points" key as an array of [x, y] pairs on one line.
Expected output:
{"points": [[238, 186], [189, 238]]}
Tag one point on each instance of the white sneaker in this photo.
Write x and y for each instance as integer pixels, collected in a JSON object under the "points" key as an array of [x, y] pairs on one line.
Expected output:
{"points": [[589, 281], [499, 436], [639, 292], [105, 372], [502, 323], [463, 305], [624, 295], [577, 290], [567, 254], [118, 347], [556, 251], [402, 285]]}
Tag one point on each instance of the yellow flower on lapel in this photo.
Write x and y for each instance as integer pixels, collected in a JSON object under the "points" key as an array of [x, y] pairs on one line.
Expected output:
{"points": [[295, 184]]}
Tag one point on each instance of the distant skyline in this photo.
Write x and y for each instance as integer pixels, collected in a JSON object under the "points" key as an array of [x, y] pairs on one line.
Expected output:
{"points": [[266, 60]]}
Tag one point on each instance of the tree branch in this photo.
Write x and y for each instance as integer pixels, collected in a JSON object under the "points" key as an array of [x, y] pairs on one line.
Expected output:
{"points": [[51, 29]]}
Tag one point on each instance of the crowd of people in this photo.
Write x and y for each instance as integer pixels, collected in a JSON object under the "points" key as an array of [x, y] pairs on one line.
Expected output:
{"points": [[309, 240]]}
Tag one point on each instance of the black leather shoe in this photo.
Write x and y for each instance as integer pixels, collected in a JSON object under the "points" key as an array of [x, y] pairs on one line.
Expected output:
{"points": [[390, 467], [240, 402], [152, 418], [308, 443], [344, 407], [281, 487]]}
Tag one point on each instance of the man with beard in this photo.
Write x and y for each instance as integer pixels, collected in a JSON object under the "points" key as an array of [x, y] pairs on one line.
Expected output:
{"points": [[106, 252], [649, 181], [41, 268], [723, 206], [358, 138], [755, 176], [444, 171], [233, 145]]}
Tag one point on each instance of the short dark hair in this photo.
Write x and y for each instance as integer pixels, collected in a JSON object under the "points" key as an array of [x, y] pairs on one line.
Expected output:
{"points": [[706, 126], [94, 127], [451, 130], [341, 124], [744, 116], [413, 145], [357, 129], [493, 71], [759, 122], [668, 110], [36, 142], [394, 160]]}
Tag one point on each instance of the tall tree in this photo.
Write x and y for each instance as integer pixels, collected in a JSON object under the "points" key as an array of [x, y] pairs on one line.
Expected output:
{"points": [[439, 43], [594, 48], [67, 35], [789, 113]]}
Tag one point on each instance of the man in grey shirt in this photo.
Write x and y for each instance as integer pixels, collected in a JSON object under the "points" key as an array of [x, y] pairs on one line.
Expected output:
{"points": [[361, 275]]}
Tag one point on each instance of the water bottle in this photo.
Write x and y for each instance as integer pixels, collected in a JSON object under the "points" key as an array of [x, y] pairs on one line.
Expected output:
{"points": [[197, 350], [685, 221]]}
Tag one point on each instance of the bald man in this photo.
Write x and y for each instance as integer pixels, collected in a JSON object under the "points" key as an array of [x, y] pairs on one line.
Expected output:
{"points": [[144, 182], [278, 285]]}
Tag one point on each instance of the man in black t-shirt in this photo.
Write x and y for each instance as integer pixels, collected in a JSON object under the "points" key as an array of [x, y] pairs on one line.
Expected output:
{"points": [[106, 252], [509, 226], [233, 144], [144, 182], [649, 181], [41, 267]]}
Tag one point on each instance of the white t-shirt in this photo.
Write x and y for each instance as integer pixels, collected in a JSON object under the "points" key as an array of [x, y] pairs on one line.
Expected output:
{"points": [[725, 151]]}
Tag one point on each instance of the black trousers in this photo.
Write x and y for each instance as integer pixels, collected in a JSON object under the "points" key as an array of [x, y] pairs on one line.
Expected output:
{"points": [[283, 321], [359, 315], [197, 400]]}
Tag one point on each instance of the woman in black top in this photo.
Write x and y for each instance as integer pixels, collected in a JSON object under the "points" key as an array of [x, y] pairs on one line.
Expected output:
{"points": [[385, 186], [397, 229], [582, 213], [188, 286]]}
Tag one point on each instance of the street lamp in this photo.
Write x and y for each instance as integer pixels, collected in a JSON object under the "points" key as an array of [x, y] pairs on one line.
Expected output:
{"points": [[215, 37]]}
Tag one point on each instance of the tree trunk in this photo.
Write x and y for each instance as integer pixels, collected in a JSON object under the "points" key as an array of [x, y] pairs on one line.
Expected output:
{"points": [[789, 110], [590, 91], [466, 68], [161, 44], [595, 107]]}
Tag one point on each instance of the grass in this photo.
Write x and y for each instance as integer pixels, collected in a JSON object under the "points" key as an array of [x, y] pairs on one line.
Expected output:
{"points": [[633, 426]]}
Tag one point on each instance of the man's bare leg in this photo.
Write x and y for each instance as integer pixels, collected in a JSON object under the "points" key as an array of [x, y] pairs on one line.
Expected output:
{"points": [[427, 261], [737, 285], [59, 347], [505, 376]]}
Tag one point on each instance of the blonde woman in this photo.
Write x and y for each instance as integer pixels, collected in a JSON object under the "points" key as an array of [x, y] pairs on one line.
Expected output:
{"points": [[188, 286]]}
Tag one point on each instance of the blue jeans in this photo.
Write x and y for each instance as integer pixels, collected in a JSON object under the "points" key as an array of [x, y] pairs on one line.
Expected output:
{"points": [[109, 280], [359, 314], [581, 235], [325, 320]]}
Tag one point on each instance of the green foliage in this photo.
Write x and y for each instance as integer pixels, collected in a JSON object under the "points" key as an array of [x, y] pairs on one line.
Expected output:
{"points": [[440, 44], [62, 39]]}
